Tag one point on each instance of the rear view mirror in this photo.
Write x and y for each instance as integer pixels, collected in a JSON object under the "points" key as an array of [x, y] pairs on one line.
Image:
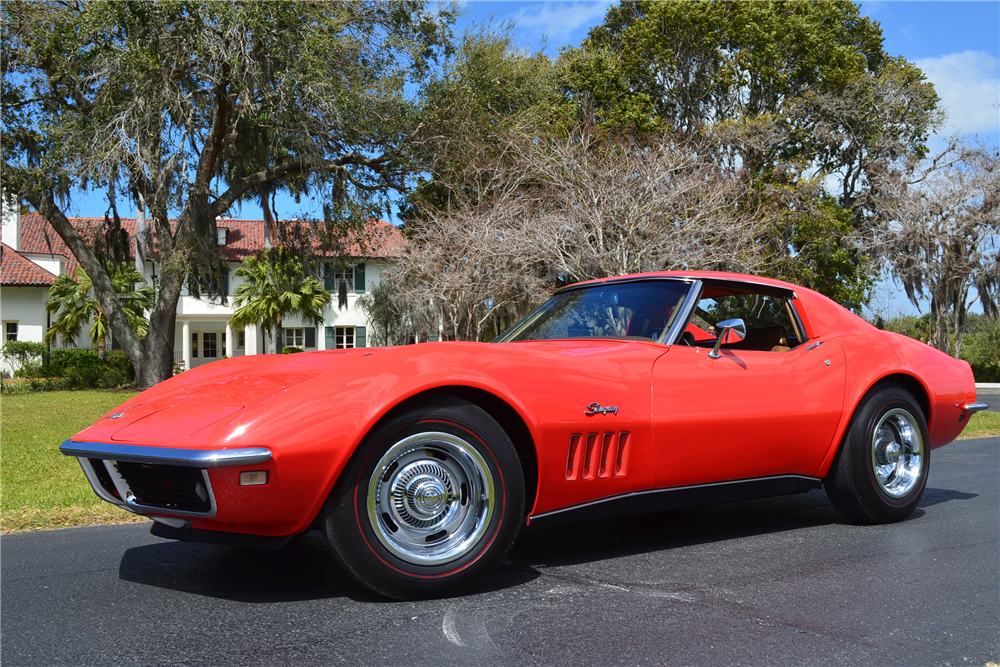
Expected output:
{"points": [[723, 328]]}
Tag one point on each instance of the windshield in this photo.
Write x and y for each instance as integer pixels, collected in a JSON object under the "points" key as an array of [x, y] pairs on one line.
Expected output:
{"points": [[631, 310]]}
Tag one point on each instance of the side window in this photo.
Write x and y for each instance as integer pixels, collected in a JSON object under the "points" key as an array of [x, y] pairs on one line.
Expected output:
{"points": [[767, 317]]}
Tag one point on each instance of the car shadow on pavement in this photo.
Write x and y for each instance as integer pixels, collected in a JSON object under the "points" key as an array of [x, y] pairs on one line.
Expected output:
{"points": [[303, 570], [585, 541], [580, 542], [937, 496]]}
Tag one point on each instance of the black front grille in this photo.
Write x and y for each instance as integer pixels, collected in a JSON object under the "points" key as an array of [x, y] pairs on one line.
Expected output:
{"points": [[103, 476], [169, 487]]}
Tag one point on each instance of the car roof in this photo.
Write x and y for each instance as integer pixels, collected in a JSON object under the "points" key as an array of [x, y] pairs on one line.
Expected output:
{"points": [[697, 275]]}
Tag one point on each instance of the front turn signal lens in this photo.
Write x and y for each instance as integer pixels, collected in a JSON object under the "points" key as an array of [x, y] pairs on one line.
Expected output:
{"points": [[253, 478]]}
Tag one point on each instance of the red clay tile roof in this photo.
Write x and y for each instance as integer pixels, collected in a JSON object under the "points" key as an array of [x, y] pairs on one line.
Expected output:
{"points": [[16, 270], [244, 238]]}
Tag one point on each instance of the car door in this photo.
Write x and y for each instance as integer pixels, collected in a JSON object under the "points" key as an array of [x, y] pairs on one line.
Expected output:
{"points": [[747, 414]]}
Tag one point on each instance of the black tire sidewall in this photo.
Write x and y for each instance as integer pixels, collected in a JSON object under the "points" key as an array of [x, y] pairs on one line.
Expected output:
{"points": [[350, 533], [855, 475], [917, 491]]}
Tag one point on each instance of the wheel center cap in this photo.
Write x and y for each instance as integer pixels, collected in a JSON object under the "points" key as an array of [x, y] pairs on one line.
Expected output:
{"points": [[426, 495], [892, 452]]}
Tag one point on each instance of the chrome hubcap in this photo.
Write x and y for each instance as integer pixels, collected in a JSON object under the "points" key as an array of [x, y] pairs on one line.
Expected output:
{"points": [[421, 493], [430, 498], [897, 453]]}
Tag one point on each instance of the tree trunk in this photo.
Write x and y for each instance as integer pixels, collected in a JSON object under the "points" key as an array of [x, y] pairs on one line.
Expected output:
{"points": [[157, 362], [264, 191], [141, 236], [102, 349], [156, 355]]}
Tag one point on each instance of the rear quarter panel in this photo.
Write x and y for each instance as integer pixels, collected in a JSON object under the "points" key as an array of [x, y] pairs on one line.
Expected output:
{"points": [[874, 356]]}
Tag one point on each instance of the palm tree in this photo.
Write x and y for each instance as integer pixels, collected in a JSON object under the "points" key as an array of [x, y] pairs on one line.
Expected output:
{"points": [[76, 304], [274, 285]]}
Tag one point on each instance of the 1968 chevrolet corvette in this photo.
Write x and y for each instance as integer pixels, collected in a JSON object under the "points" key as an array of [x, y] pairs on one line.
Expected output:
{"points": [[420, 463]]}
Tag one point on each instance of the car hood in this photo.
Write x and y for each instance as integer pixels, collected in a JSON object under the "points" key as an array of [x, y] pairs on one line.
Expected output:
{"points": [[261, 400], [179, 408]]}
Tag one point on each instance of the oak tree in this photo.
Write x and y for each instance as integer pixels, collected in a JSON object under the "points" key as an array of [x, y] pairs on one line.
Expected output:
{"points": [[195, 107]]}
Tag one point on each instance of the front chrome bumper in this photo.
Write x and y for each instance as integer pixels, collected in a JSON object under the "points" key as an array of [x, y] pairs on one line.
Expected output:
{"points": [[183, 472]]}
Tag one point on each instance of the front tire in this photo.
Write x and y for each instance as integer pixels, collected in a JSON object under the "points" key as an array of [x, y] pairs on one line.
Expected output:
{"points": [[430, 504], [880, 473]]}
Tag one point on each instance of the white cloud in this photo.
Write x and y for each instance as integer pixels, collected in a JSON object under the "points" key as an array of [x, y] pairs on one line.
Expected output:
{"points": [[559, 20], [969, 88]]}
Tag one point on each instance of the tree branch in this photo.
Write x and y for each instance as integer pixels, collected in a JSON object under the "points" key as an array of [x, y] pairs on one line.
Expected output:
{"points": [[293, 168]]}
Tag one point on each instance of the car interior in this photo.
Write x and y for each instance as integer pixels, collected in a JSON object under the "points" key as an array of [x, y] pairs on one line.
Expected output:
{"points": [[772, 325]]}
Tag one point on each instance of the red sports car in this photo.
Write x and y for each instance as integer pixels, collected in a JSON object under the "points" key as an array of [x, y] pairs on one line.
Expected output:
{"points": [[421, 463]]}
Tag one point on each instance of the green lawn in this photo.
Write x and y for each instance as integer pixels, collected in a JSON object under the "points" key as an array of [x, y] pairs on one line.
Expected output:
{"points": [[982, 425], [39, 487]]}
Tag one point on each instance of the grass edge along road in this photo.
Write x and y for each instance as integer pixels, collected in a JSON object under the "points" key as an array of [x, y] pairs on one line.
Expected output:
{"points": [[42, 489], [39, 487]]}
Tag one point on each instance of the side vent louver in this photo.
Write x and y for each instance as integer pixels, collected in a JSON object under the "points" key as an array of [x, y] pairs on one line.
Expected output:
{"points": [[602, 455], [573, 460]]}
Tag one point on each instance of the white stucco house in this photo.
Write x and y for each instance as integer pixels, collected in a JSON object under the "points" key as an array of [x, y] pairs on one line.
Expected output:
{"points": [[33, 255]]}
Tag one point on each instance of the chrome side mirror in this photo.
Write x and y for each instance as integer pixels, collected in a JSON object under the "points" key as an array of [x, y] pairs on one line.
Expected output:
{"points": [[723, 328]]}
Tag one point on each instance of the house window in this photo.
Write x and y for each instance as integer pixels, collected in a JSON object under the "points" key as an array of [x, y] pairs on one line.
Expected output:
{"points": [[241, 340], [352, 277], [9, 331], [345, 337], [194, 346], [295, 338], [334, 276], [211, 341]]}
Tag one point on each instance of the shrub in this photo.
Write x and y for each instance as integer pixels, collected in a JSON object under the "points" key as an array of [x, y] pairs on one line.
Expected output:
{"points": [[918, 328], [982, 347], [291, 350], [68, 358], [25, 356], [83, 369], [26, 385], [74, 369], [118, 360], [49, 371], [985, 372], [97, 375]]}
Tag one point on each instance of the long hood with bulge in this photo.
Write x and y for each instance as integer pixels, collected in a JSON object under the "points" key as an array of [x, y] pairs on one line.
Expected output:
{"points": [[280, 398], [178, 411]]}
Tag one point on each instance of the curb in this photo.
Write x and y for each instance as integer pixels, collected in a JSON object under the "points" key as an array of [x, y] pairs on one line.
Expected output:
{"points": [[988, 385]]}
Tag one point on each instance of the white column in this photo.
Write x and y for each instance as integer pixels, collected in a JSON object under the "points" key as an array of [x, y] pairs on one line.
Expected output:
{"points": [[251, 342], [321, 337], [229, 340], [186, 343]]}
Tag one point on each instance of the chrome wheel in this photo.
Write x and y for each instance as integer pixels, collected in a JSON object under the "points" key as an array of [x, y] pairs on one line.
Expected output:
{"points": [[897, 451], [430, 498]]}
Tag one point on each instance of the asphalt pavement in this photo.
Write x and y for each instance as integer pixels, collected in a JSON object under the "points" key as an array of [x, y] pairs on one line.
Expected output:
{"points": [[989, 393], [780, 581]]}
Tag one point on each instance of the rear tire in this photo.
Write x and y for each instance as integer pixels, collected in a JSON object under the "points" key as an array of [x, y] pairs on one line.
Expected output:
{"points": [[430, 504], [880, 473]]}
